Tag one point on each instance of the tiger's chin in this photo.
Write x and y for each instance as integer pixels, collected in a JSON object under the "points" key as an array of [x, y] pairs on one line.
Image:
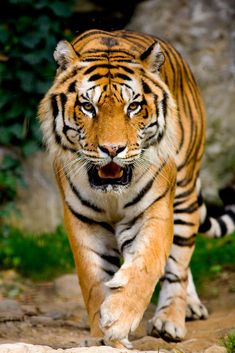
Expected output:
{"points": [[110, 177]]}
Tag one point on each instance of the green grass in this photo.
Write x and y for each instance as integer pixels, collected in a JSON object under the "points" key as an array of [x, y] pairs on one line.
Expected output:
{"points": [[229, 342], [39, 257], [211, 257]]}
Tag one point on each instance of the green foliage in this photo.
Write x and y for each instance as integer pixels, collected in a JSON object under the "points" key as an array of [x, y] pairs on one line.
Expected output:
{"points": [[211, 256], [10, 175], [38, 257], [229, 342], [29, 32]]}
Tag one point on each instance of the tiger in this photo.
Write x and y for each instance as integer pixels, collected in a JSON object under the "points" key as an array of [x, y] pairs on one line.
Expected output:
{"points": [[124, 123]]}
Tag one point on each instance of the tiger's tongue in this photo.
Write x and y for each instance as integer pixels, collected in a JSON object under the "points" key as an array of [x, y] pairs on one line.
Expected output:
{"points": [[110, 171]]}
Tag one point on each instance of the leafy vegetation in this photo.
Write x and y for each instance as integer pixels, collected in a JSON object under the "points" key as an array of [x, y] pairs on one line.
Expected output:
{"points": [[37, 257], [229, 342], [29, 32], [211, 256]]}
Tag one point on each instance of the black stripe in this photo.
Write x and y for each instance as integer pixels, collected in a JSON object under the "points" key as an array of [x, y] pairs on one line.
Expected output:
{"points": [[189, 209], [187, 192], [69, 75], [175, 280], [184, 182], [200, 200], [152, 124], [181, 241], [90, 59], [183, 223], [72, 87], [223, 226], [63, 100], [66, 128], [109, 52], [127, 69], [114, 260], [231, 214], [94, 67], [96, 77], [146, 87], [147, 52], [164, 103], [90, 221], [141, 194], [127, 242], [122, 76], [173, 258], [55, 112], [109, 272], [54, 106], [153, 137], [83, 201], [205, 226]]}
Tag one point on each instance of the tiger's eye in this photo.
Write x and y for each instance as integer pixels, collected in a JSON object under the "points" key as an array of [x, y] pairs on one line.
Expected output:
{"points": [[88, 109], [88, 106], [133, 106]]}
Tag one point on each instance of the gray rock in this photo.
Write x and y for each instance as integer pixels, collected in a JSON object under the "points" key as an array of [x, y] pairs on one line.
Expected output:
{"points": [[67, 286], [39, 201], [216, 349], [10, 310]]}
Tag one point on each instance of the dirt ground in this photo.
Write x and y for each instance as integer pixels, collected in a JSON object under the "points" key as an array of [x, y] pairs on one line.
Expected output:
{"points": [[53, 314]]}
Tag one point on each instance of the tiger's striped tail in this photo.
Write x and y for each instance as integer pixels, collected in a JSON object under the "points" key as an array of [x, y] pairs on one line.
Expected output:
{"points": [[224, 224]]}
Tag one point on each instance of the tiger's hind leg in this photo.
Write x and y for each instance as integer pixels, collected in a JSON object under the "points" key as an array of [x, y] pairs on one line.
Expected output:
{"points": [[169, 319], [195, 310]]}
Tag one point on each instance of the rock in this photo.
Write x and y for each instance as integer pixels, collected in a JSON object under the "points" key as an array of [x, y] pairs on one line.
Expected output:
{"points": [[10, 310], [204, 33], [67, 286], [39, 201], [29, 348], [215, 349]]}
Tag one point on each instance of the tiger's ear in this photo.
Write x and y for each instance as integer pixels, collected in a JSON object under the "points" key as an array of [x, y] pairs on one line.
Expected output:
{"points": [[64, 55], [152, 58]]}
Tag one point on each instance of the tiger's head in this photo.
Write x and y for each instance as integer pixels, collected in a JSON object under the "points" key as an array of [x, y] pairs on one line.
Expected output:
{"points": [[108, 109]]}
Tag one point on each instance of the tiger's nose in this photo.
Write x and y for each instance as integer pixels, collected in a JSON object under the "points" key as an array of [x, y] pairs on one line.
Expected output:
{"points": [[111, 149]]}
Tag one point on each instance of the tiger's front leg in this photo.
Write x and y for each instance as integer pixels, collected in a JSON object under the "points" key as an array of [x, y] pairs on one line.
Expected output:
{"points": [[145, 256], [96, 257]]}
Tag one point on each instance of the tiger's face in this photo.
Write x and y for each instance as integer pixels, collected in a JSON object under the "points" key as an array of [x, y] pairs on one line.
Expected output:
{"points": [[107, 113]]}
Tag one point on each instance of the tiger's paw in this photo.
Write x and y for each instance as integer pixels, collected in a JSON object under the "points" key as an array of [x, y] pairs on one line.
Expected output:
{"points": [[169, 330], [118, 317], [195, 310]]}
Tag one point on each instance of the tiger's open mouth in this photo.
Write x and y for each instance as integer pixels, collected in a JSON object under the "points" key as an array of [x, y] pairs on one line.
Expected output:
{"points": [[110, 174]]}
